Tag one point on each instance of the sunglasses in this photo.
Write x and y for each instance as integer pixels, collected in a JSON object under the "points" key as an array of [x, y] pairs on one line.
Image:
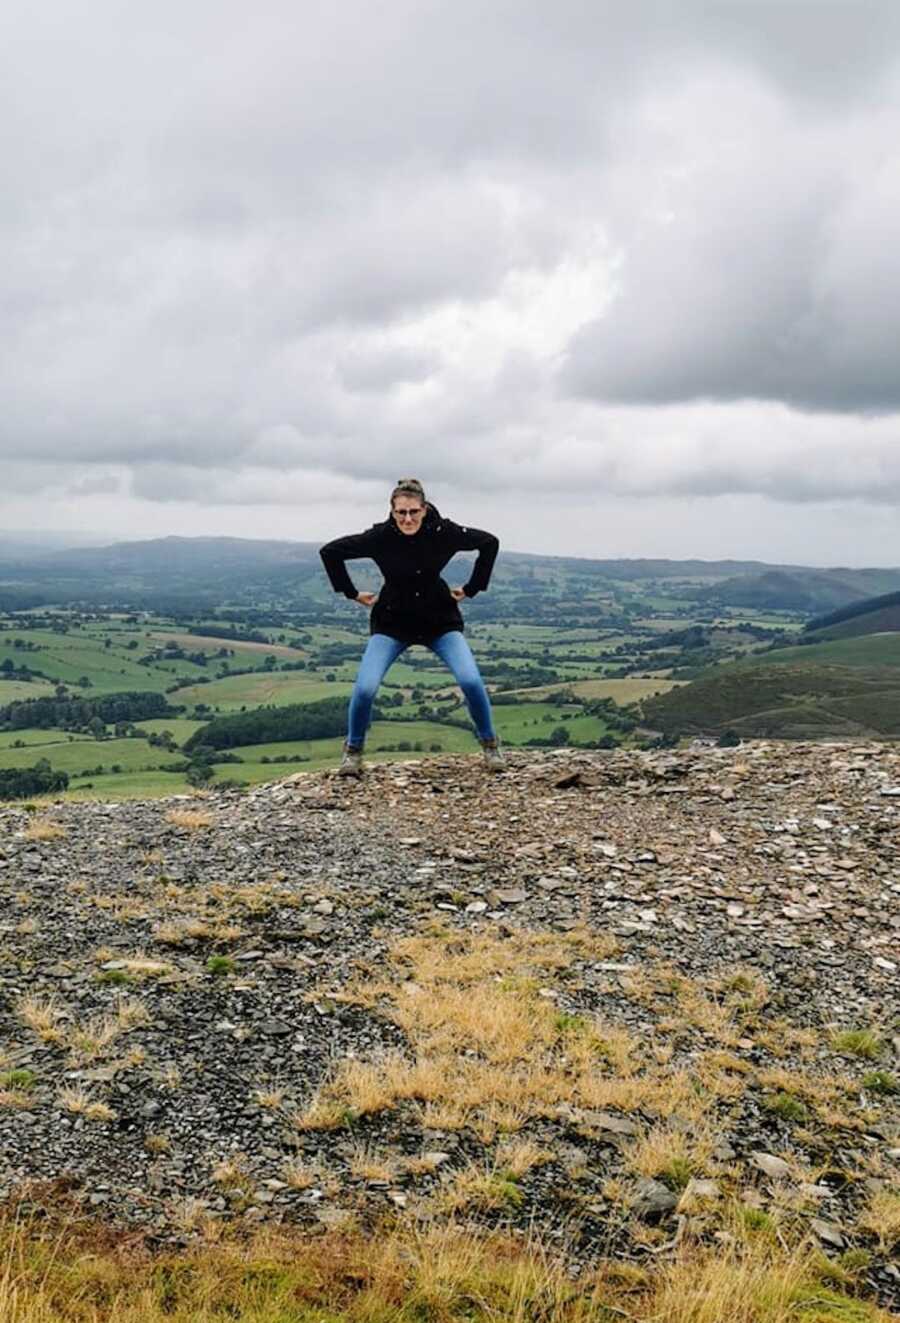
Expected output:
{"points": [[409, 514]]}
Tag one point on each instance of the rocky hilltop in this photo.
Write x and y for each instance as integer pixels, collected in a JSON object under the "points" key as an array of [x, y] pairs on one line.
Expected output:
{"points": [[625, 998]]}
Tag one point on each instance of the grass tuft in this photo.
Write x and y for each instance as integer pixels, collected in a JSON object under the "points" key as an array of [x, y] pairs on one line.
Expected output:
{"points": [[220, 965], [44, 830], [43, 1016], [79, 1102], [882, 1218], [189, 819], [881, 1081], [22, 1079], [785, 1106], [864, 1043]]}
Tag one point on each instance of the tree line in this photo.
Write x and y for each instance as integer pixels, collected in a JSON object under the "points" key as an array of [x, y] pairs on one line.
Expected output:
{"points": [[270, 725], [66, 713], [40, 779]]}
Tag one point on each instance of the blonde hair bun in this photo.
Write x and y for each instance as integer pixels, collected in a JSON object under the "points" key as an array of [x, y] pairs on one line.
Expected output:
{"points": [[411, 486]]}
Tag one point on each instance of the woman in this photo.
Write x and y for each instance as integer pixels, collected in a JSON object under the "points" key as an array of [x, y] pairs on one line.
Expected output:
{"points": [[415, 605]]}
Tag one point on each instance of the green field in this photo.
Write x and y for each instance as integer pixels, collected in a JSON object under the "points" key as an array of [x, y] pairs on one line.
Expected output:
{"points": [[868, 650], [69, 658], [35, 738], [14, 691], [519, 723], [271, 688], [248, 652], [130, 785], [318, 755], [130, 754], [628, 690]]}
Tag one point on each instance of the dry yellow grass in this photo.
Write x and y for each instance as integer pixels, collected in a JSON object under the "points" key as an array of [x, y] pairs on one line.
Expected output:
{"points": [[469, 958], [300, 1175], [230, 1171], [15, 1098], [124, 909], [671, 1153], [488, 1050], [189, 819], [42, 829], [518, 1156], [369, 1165], [61, 1274], [169, 1077], [832, 1098], [882, 1217], [141, 966], [721, 1074], [177, 931], [79, 1101], [270, 1096], [424, 1164], [44, 1016], [782, 1039], [476, 1189], [92, 1039]]}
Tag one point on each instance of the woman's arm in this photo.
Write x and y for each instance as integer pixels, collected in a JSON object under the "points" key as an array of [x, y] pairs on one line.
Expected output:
{"points": [[356, 546], [487, 546]]}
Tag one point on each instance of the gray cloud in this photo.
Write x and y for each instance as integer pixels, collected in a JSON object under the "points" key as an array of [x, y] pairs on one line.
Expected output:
{"points": [[648, 249], [373, 369], [765, 269]]}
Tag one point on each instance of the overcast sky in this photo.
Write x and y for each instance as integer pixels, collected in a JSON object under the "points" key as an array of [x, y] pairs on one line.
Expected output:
{"points": [[612, 277]]}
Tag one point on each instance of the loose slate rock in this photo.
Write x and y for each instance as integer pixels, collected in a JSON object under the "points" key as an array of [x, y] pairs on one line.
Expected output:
{"points": [[275, 1028], [614, 1125], [828, 1233], [773, 1166], [652, 1200]]}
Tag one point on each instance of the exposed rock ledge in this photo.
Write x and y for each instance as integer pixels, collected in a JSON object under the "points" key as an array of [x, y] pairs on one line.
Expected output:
{"points": [[180, 980]]}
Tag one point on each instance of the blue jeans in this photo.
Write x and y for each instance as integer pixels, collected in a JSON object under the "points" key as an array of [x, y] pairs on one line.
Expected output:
{"points": [[381, 653]]}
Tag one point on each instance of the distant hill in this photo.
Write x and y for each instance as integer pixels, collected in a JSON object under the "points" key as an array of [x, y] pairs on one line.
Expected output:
{"points": [[182, 555], [798, 589], [165, 572], [802, 700], [175, 556], [864, 651], [873, 615], [181, 573]]}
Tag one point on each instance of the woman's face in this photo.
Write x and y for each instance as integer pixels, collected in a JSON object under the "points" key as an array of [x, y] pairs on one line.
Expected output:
{"points": [[408, 512]]}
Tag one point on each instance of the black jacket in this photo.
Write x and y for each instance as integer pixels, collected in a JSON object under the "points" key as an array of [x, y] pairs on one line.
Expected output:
{"points": [[414, 604]]}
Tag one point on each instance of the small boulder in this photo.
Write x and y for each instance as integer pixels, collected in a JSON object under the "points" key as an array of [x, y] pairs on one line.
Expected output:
{"points": [[776, 1168], [652, 1200]]}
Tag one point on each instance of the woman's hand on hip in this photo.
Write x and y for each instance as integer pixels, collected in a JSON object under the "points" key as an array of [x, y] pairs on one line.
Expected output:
{"points": [[458, 594], [367, 599]]}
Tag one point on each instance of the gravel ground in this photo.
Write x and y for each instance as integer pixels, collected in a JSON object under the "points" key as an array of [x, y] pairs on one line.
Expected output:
{"points": [[142, 1079]]}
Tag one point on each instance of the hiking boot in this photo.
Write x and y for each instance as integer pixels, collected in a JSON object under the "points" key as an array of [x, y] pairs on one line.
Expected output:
{"points": [[351, 762], [493, 758]]}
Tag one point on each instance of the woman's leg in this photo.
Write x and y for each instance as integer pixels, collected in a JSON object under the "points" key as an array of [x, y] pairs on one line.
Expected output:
{"points": [[454, 651], [381, 652]]}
